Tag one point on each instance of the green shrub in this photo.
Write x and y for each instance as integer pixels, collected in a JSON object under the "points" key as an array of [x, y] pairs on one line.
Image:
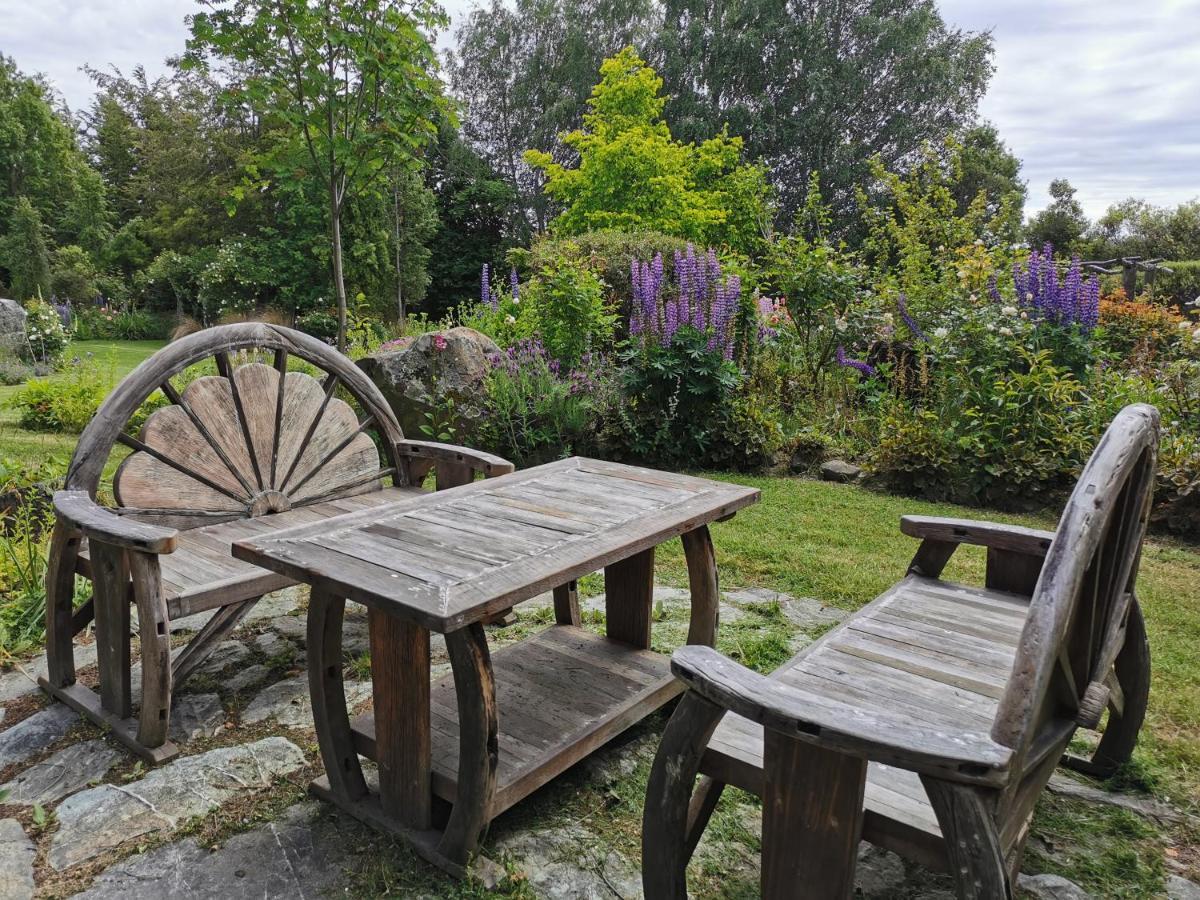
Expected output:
{"points": [[64, 404], [1181, 286], [14, 371], [320, 324], [44, 332], [676, 397], [17, 474], [72, 274], [105, 323], [565, 300]]}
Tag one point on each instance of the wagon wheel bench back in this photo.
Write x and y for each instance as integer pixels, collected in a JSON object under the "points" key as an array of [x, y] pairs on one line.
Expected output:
{"points": [[252, 448], [930, 721], [501, 725]]}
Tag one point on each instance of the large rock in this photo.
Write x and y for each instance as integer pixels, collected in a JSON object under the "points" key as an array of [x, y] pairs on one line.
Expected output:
{"points": [[104, 817], [16, 861], [12, 327], [429, 373]]}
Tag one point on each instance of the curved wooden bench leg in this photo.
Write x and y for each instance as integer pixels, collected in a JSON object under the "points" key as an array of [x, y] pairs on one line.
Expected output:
{"points": [[972, 842], [478, 743], [154, 629], [702, 580], [342, 768], [665, 837], [60, 599], [1126, 714]]}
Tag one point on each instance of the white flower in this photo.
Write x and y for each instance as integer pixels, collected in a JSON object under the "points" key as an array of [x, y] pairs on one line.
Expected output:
{"points": [[1025, 316], [1029, 296], [516, 300], [941, 332], [510, 320], [1009, 310], [973, 298], [978, 242], [841, 324], [1006, 331], [1196, 335], [888, 317], [990, 327], [1185, 325]]}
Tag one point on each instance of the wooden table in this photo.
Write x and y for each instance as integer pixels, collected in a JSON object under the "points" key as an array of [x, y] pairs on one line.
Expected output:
{"points": [[446, 562]]}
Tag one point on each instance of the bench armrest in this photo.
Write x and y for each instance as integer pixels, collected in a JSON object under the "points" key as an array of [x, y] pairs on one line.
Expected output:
{"points": [[98, 523], [824, 720], [1029, 541], [487, 463]]}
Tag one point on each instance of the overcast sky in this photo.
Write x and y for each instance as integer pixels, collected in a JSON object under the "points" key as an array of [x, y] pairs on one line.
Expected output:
{"points": [[1103, 92]]}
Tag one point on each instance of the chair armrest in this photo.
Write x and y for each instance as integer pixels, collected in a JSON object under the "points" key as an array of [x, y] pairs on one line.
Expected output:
{"points": [[893, 738], [100, 524], [487, 463], [1029, 541]]}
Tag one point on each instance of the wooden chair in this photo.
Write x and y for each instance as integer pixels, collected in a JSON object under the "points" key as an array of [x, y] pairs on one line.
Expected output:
{"points": [[929, 722], [252, 448]]}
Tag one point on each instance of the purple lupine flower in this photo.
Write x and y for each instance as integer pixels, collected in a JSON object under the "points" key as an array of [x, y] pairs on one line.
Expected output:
{"points": [[485, 289], [845, 361], [516, 284], [902, 304], [994, 290]]}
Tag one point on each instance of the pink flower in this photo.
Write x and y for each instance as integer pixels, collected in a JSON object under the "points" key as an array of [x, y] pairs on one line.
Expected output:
{"points": [[439, 343]]}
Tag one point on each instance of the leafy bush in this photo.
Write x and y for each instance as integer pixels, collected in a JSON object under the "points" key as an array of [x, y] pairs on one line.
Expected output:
{"points": [[63, 405], [17, 474], [565, 300], [319, 323], [1182, 285], [72, 274], [108, 323], [536, 412], [1137, 329], [14, 371], [24, 555], [676, 396], [44, 332]]}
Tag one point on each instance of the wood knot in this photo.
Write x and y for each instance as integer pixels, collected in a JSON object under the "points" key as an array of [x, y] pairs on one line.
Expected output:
{"points": [[269, 502]]}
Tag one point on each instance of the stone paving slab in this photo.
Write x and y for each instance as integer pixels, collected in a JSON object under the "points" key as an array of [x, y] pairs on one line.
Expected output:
{"points": [[104, 817], [288, 702], [63, 773], [196, 716], [16, 861], [301, 855], [22, 680], [35, 733]]}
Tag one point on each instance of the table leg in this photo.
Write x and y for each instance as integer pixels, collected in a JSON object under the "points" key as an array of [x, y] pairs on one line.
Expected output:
{"points": [[478, 742], [325, 611], [566, 604], [629, 599], [400, 688], [702, 580], [812, 819]]}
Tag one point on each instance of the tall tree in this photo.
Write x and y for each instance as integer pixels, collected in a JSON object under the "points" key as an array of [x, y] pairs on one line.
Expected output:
{"points": [[478, 219], [523, 73], [414, 221], [987, 166], [24, 253], [820, 85], [633, 176], [1062, 223], [354, 80]]}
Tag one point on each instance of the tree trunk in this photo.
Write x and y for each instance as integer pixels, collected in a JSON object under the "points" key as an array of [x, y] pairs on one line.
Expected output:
{"points": [[339, 281], [399, 283]]}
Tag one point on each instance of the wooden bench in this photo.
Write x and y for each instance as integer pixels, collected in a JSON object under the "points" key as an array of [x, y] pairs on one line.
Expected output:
{"points": [[930, 721], [251, 448]]}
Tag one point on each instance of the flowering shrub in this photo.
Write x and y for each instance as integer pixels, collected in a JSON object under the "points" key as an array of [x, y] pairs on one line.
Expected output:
{"points": [[537, 410], [1068, 300], [566, 307], [699, 298], [44, 333], [99, 323], [1140, 330]]}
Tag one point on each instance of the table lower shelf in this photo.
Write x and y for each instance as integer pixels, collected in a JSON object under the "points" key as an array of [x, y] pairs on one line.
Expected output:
{"points": [[561, 694]]}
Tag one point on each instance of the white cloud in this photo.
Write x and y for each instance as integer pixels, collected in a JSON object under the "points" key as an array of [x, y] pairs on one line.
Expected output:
{"points": [[1105, 93]]}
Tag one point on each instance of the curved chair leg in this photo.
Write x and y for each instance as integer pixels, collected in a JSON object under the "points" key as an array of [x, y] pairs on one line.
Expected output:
{"points": [[972, 841], [60, 612], [665, 837], [1132, 671], [479, 743], [155, 633], [342, 768]]}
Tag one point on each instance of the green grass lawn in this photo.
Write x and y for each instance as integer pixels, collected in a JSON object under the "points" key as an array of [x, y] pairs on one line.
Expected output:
{"points": [[115, 360]]}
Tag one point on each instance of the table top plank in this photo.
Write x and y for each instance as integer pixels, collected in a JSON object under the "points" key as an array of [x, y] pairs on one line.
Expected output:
{"points": [[449, 558]]}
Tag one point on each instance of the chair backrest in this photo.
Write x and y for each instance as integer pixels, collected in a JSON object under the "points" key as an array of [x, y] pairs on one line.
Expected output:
{"points": [[252, 439], [1079, 608]]}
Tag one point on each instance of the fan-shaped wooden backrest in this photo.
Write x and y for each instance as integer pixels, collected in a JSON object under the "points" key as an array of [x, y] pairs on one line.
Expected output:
{"points": [[1082, 600], [250, 440]]}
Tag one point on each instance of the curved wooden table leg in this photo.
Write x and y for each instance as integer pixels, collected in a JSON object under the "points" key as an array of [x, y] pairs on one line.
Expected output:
{"points": [[1126, 714], [702, 580], [478, 743], [154, 632], [60, 611], [342, 767], [665, 836]]}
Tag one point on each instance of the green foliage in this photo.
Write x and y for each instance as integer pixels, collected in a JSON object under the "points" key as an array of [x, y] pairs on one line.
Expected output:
{"points": [[18, 474], [14, 370], [97, 323], [536, 412], [24, 554], [675, 397], [1062, 223], [72, 274], [566, 305], [64, 404], [24, 254], [1181, 285], [319, 323], [633, 175], [821, 85], [1135, 227], [44, 332]]}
